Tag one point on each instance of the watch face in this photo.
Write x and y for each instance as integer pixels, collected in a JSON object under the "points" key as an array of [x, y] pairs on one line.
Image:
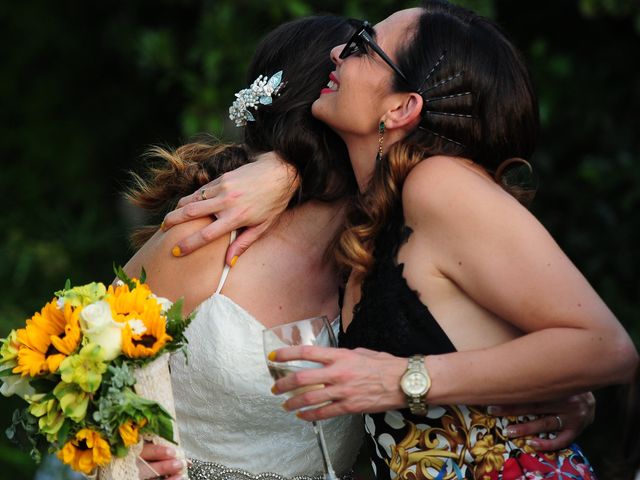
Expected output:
{"points": [[415, 383]]}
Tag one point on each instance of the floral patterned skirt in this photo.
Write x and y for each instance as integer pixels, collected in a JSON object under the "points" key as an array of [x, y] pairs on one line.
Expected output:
{"points": [[462, 442]]}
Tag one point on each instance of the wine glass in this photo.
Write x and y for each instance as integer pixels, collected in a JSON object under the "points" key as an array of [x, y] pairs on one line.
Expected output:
{"points": [[310, 331]]}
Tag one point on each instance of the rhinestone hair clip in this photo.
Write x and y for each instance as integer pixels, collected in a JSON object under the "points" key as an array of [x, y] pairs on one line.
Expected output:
{"points": [[261, 92]]}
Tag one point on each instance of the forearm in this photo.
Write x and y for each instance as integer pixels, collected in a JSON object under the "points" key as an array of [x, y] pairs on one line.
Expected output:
{"points": [[539, 366]]}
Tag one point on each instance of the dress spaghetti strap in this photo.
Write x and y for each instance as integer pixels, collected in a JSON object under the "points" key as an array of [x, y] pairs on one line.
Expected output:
{"points": [[225, 271]]}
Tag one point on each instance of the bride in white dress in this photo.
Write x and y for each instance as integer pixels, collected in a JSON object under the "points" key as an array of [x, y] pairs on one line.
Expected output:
{"points": [[230, 425]]}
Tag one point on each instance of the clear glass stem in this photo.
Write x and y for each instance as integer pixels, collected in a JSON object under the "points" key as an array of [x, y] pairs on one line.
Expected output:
{"points": [[329, 474]]}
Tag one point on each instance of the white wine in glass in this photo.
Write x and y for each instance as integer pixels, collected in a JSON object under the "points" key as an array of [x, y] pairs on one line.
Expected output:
{"points": [[310, 331]]}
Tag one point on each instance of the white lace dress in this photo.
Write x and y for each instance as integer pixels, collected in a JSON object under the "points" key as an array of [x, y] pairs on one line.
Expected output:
{"points": [[230, 424]]}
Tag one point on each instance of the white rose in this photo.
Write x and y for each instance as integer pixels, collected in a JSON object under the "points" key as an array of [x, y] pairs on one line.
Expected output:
{"points": [[165, 303], [100, 328], [16, 385]]}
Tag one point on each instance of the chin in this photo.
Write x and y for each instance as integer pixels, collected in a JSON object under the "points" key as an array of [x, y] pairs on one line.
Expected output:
{"points": [[316, 109], [320, 111]]}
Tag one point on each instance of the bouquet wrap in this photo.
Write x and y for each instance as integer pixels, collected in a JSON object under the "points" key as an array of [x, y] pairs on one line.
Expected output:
{"points": [[153, 382]]}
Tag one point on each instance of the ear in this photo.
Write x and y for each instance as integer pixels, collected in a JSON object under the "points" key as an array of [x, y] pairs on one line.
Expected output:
{"points": [[405, 112]]}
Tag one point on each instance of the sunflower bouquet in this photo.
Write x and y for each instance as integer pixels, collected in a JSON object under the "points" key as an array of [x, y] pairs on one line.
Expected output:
{"points": [[92, 368]]}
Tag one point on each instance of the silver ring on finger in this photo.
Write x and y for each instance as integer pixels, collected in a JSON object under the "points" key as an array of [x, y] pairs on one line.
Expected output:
{"points": [[560, 424], [203, 194]]}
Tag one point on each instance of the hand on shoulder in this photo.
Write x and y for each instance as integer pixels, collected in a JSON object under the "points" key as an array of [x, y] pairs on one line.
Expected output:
{"points": [[193, 277]]}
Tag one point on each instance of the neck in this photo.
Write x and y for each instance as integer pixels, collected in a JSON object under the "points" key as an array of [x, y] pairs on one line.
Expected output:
{"points": [[362, 154], [363, 151], [311, 226]]}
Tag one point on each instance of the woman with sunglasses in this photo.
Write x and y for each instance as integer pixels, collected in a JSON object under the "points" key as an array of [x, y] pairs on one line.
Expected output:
{"points": [[466, 294]]}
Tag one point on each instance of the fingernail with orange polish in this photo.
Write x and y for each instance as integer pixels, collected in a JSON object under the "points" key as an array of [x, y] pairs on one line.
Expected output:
{"points": [[162, 226], [299, 415], [274, 390], [234, 260], [272, 356], [176, 252], [284, 407]]}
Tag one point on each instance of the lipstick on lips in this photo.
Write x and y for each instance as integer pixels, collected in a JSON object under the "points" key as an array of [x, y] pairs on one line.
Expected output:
{"points": [[332, 85]]}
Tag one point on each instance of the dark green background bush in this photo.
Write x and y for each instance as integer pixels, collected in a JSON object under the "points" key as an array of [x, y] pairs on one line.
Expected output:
{"points": [[87, 86]]}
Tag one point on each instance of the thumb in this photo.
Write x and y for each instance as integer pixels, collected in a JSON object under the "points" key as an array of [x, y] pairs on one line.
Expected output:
{"points": [[244, 241]]}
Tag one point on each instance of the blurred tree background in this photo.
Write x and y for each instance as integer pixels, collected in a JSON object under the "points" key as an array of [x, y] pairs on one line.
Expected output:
{"points": [[85, 87]]}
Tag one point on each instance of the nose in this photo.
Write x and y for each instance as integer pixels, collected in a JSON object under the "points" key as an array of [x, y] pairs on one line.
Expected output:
{"points": [[335, 53]]}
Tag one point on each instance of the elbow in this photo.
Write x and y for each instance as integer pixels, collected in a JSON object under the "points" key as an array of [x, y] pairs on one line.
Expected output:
{"points": [[624, 359]]}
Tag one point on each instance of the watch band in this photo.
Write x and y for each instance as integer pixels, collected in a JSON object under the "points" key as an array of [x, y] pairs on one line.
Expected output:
{"points": [[416, 403]]}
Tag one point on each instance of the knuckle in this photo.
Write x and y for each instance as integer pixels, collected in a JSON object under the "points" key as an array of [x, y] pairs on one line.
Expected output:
{"points": [[296, 379], [342, 376], [208, 235], [575, 400], [583, 410], [308, 397], [225, 181], [190, 210], [306, 350], [351, 409]]}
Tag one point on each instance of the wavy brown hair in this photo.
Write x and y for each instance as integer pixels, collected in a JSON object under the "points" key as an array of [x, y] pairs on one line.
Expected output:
{"points": [[300, 49], [478, 103], [173, 174]]}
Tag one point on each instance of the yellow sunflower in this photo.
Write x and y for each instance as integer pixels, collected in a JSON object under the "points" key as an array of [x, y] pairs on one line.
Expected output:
{"points": [[145, 331], [86, 451], [144, 336], [127, 304], [48, 338], [129, 431]]}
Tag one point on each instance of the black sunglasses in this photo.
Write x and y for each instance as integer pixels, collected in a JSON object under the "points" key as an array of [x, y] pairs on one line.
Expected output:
{"points": [[362, 40]]}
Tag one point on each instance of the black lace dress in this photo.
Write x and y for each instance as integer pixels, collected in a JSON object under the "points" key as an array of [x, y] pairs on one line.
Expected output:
{"points": [[452, 441]]}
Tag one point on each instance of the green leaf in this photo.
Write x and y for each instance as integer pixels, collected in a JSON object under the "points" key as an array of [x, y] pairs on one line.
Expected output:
{"points": [[64, 432], [143, 275], [121, 450], [6, 372], [165, 428], [176, 325], [120, 273]]}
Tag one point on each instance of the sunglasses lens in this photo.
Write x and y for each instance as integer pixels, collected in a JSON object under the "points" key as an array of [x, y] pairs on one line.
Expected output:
{"points": [[349, 49], [355, 46]]}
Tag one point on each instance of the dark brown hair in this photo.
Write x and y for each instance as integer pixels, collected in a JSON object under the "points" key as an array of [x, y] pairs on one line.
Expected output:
{"points": [[478, 103], [300, 49]]}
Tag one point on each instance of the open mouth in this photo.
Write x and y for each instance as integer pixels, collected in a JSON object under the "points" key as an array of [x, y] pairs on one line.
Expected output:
{"points": [[332, 85]]}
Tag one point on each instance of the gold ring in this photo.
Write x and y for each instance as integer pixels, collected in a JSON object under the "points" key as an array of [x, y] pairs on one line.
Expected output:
{"points": [[559, 420], [203, 194]]}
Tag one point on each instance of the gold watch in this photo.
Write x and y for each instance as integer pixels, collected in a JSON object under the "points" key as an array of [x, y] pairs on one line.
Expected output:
{"points": [[415, 384]]}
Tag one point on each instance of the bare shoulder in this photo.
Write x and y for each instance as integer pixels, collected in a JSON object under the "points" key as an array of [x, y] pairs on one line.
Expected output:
{"points": [[440, 183], [192, 276]]}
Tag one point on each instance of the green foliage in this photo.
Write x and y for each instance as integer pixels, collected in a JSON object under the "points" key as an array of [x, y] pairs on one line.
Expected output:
{"points": [[85, 90]]}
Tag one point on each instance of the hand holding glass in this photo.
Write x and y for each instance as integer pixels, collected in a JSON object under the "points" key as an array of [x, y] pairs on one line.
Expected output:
{"points": [[310, 331]]}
